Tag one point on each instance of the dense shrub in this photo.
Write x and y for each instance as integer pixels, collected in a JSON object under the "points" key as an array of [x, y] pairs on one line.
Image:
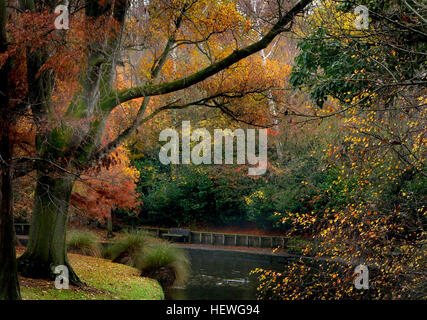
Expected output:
{"points": [[181, 200], [83, 242], [127, 248], [164, 262], [155, 258], [227, 196], [261, 210]]}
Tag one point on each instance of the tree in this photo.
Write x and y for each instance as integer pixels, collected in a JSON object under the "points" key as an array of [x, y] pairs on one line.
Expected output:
{"points": [[374, 80], [9, 285], [71, 143], [110, 185]]}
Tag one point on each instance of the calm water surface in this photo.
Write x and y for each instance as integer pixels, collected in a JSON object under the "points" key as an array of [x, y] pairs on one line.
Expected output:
{"points": [[223, 275]]}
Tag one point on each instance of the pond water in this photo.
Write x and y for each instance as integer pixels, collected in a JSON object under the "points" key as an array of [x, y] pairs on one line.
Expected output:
{"points": [[223, 275]]}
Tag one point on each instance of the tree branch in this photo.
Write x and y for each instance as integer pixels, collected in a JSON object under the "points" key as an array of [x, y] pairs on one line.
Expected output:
{"points": [[117, 97]]}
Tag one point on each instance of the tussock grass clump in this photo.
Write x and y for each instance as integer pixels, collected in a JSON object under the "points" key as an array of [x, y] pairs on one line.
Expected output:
{"points": [[128, 248], [84, 243], [164, 262]]}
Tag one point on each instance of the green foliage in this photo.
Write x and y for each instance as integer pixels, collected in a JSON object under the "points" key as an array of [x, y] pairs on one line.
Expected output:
{"points": [[230, 189], [83, 242], [180, 200], [306, 183], [188, 195], [261, 209], [331, 79], [343, 64], [206, 195]]}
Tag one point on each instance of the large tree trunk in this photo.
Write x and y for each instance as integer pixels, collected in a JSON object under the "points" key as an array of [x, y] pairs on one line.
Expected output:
{"points": [[47, 244], [9, 285]]}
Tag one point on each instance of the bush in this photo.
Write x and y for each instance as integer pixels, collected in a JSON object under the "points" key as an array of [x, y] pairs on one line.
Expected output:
{"points": [[180, 200], [260, 210], [164, 262], [127, 248], [83, 242]]}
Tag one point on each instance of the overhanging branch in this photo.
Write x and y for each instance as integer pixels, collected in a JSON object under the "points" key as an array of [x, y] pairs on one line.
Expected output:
{"points": [[117, 97]]}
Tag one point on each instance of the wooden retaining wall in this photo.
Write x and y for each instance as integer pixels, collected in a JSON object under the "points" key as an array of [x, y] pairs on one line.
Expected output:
{"points": [[226, 239]]}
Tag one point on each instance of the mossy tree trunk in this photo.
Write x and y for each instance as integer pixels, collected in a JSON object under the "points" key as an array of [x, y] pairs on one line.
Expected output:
{"points": [[64, 145], [47, 245]]}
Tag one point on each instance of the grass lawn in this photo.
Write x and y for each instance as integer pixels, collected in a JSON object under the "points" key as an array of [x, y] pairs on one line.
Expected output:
{"points": [[105, 280]]}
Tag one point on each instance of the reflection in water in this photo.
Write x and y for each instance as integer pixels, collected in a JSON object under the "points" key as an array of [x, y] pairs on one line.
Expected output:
{"points": [[222, 275]]}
